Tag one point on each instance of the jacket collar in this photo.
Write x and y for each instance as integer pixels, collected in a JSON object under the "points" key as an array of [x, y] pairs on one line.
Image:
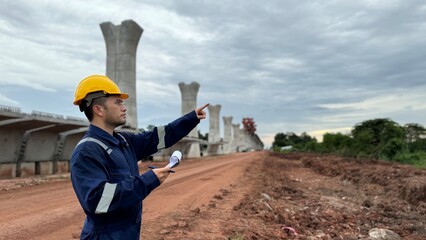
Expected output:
{"points": [[101, 135]]}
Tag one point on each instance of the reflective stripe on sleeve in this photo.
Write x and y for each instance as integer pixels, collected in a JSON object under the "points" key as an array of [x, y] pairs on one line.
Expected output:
{"points": [[161, 134], [106, 199]]}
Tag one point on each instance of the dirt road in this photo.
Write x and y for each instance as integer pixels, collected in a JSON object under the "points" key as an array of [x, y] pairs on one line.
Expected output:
{"points": [[48, 208], [259, 195]]}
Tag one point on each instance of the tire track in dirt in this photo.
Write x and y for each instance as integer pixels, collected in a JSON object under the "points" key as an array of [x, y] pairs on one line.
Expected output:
{"points": [[50, 210], [193, 186], [32, 212], [204, 211]]}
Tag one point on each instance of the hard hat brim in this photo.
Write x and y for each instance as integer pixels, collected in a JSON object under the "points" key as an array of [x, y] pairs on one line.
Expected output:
{"points": [[122, 96]]}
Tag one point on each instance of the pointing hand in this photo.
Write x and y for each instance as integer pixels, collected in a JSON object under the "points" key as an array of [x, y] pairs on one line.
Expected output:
{"points": [[200, 113]]}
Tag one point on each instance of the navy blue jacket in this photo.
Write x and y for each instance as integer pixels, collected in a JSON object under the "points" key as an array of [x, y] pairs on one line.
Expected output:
{"points": [[106, 178]]}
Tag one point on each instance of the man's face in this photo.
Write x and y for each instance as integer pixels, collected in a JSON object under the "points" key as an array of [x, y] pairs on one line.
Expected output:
{"points": [[115, 111]]}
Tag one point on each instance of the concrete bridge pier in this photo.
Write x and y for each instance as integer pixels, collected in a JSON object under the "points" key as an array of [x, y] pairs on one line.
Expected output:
{"points": [[227, 134], [242, 140], [121, 45], [214, 146], [189, 103], [235, 137]]}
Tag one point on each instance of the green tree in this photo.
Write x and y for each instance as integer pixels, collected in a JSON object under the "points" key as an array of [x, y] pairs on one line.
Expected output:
{"points": [[305, 138], [281, 140], [413, 137], [203, 137], [371, 136], [302, 142], [312, 146], [413, 131], [150, 127], [336, 143], [392, 148]]}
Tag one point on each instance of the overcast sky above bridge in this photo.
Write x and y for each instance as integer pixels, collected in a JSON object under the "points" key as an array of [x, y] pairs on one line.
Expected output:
{"points": [[294, 66]]}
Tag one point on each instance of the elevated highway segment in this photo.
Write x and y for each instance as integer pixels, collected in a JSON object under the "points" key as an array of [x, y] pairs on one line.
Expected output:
{"points": [[38, 143]]}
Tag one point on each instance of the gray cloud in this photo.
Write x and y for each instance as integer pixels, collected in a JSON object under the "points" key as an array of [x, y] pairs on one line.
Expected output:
{"points": [[293, 66]]}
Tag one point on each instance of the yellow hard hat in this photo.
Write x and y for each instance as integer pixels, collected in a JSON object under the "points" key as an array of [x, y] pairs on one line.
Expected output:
{"points": [[97, 83]]}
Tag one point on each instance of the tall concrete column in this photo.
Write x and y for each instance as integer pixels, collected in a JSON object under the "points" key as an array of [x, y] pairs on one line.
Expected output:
{"points": [[214, 148], [235, 137], [121, 44], [214, 128], [189, 103], [227, 134], [242, 140]]}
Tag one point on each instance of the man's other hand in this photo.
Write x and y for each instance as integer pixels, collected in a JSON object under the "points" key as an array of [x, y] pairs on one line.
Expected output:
{"points": [[162, 173]]}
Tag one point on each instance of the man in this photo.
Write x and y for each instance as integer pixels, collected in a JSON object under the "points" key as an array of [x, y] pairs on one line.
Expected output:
{"points": [[104, 170]]}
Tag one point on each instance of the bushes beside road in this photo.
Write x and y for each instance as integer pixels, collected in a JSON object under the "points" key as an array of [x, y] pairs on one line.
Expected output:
{"points": [[380, 138]]}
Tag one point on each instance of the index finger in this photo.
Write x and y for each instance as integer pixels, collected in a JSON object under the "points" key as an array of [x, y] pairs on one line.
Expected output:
{"points": [[201, 108]]}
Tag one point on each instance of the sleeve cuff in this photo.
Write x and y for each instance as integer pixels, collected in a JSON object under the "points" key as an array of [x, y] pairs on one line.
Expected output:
{"points": [[151, 180]]}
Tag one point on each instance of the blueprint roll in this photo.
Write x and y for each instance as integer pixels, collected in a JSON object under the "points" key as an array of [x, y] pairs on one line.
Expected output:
{"points": [[175, 159]]}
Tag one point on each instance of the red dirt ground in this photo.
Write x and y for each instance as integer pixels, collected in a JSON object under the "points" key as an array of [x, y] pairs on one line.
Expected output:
{"points": [[257, 195]]}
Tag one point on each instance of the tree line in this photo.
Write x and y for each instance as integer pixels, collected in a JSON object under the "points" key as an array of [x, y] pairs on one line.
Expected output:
{"points": [[379, 138]]}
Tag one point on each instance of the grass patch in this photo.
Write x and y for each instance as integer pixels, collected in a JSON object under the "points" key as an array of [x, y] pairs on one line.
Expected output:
{"points": [[417, 159], [236, 236]]}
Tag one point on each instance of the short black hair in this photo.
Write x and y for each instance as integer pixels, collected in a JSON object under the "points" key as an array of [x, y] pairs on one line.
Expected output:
{"points": [[88, 111]]}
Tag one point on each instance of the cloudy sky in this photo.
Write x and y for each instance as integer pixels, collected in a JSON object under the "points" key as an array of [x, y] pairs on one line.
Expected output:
{"points": [[294, 66]]}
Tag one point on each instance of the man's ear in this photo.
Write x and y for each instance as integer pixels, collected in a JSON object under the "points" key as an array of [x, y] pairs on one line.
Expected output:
{"points": [[98, 110]]}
